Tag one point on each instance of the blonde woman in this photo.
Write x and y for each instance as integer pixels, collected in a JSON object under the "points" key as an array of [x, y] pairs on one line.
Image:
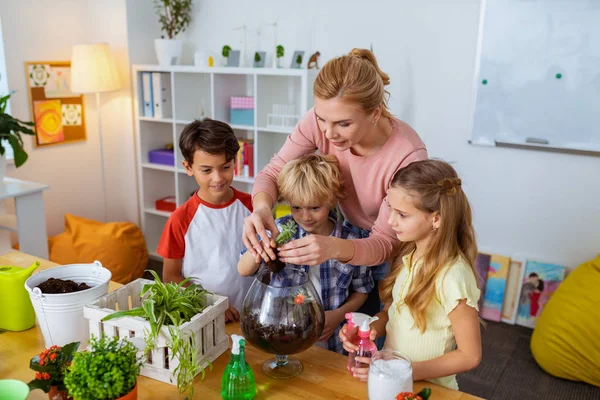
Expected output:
{"points": [[350, 120]]}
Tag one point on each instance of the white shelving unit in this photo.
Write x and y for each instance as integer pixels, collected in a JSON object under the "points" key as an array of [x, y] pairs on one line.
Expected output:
{"points": [[205, 92]]}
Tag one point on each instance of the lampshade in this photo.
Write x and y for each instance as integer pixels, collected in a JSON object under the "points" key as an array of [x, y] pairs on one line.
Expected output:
{"points": [[93, 69]]}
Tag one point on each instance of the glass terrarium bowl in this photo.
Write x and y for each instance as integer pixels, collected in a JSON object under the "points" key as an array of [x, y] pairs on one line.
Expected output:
{"points": [[282, 315]]}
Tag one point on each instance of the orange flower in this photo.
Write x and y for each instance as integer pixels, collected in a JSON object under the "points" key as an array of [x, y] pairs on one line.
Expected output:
{"points": [[299, 299], [408, 396], [45, 376], [38, 375], [53, 356]]}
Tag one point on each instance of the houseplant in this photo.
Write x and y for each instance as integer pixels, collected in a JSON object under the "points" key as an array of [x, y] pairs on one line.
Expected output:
{"points": [[225, 54], [107, 371], [171, 305], [280, 53], [50, 366], [11, 129], [174, 17]]}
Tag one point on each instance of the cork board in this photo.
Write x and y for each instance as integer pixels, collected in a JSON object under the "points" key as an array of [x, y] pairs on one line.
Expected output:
{"points": [[58, 113]]}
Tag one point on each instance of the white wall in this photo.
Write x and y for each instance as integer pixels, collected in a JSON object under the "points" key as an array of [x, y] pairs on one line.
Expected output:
{"points": [[39, 30], [526, 203]]}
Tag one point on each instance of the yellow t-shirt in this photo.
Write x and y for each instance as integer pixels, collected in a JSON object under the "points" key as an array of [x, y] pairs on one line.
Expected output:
{"points": [[455, 283]]}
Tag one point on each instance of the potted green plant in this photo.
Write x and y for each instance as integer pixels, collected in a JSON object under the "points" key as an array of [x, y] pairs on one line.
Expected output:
{"points": [[108, 370], [51, 366], [280, 51], [172, 305], [11, 129], [225, 54], [174, 17]]}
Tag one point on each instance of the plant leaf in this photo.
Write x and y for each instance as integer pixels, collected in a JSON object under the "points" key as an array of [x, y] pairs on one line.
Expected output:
{"points": [[134, 312]]}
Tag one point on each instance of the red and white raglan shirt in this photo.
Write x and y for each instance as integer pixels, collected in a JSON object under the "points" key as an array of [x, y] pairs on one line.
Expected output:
{"points": [[208, 239]]}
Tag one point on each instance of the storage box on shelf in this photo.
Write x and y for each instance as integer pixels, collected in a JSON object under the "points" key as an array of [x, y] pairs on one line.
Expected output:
{"points": [[208, 329], [242, 97]]}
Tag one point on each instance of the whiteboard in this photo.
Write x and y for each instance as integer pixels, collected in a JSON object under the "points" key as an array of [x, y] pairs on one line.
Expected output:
{"points": [[538, 74]]}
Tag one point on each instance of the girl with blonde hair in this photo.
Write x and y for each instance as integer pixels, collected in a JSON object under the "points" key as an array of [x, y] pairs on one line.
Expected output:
{"points": [[431, 293]]}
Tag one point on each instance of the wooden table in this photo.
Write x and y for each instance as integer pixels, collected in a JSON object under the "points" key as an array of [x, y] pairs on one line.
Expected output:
{"points": [[325, 376]]}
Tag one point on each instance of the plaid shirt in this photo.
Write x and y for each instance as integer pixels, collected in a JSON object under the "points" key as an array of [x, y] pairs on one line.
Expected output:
{"points": [[336, 277]]}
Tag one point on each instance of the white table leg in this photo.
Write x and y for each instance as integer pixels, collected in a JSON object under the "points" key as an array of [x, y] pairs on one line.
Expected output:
{"points": [[31, 224]]}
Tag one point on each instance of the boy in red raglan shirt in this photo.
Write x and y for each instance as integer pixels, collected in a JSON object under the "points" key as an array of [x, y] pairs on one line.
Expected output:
{"points": [[203, 238]]}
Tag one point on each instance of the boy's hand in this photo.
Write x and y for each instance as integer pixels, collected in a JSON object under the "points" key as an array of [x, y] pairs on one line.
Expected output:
{"points": [[361, 373], [231, 314], [332, 320]]}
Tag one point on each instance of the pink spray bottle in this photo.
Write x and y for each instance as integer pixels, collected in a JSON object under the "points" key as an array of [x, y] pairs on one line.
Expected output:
{"points": [[366, 347], [355, 320]]}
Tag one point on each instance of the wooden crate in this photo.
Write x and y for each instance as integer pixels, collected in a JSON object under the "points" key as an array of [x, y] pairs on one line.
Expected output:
{"points": [[208, 329]]}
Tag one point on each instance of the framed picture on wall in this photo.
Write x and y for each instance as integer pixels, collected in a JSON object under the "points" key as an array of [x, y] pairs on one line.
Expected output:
{"points": [[58, 113]]}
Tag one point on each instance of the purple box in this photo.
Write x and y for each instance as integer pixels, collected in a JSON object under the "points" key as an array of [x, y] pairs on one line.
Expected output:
{"points": [[162, 156]]}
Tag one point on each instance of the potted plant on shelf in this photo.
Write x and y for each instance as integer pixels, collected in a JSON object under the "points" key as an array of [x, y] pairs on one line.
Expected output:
{"points": [[51, 366], [225, 54], [174, 17], [107, 371], [172, 305], [11, 129], [280, 53]]}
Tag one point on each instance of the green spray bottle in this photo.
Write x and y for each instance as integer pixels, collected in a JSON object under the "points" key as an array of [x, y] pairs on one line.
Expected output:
{"points": [[238, 380]]}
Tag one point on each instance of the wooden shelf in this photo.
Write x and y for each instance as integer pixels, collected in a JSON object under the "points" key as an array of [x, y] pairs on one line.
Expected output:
{"points": [[159, 167], [154, 211]]}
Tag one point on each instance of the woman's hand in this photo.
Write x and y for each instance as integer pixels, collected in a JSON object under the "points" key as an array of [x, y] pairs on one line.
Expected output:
{"points": [[258, 223], [309, 250]]}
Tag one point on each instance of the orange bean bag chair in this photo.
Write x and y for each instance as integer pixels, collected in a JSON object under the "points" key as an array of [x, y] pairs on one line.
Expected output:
{"points": [[119, 246]]}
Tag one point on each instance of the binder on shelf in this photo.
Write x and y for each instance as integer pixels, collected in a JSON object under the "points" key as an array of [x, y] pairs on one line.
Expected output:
{"points": [[161, 85], [147, 94]]}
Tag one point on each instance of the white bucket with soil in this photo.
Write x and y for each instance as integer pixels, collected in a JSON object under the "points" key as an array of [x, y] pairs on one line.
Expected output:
{"points": [[60, 315]]}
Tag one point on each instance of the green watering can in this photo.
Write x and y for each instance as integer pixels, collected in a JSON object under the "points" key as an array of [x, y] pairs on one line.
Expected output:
{"points": [[16, 311]]}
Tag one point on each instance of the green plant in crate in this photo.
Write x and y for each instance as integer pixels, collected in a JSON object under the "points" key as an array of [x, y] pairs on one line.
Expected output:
{"points": [[257, 57], [226, 50], [107, 371], [171, 305], [11, 129], [174, 16]]}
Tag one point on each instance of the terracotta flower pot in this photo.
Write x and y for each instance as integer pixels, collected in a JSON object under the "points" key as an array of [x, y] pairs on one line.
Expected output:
{"points": [[131, 395], [55, 394]]}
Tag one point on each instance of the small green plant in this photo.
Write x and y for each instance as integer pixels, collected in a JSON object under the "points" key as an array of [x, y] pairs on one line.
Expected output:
{"points": [[226, 50], [107, 371], [174, 16], [280, 51], [257, 57], [11, 129], [51, 365], [288, 231], [171, 305], [299, 60]]}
